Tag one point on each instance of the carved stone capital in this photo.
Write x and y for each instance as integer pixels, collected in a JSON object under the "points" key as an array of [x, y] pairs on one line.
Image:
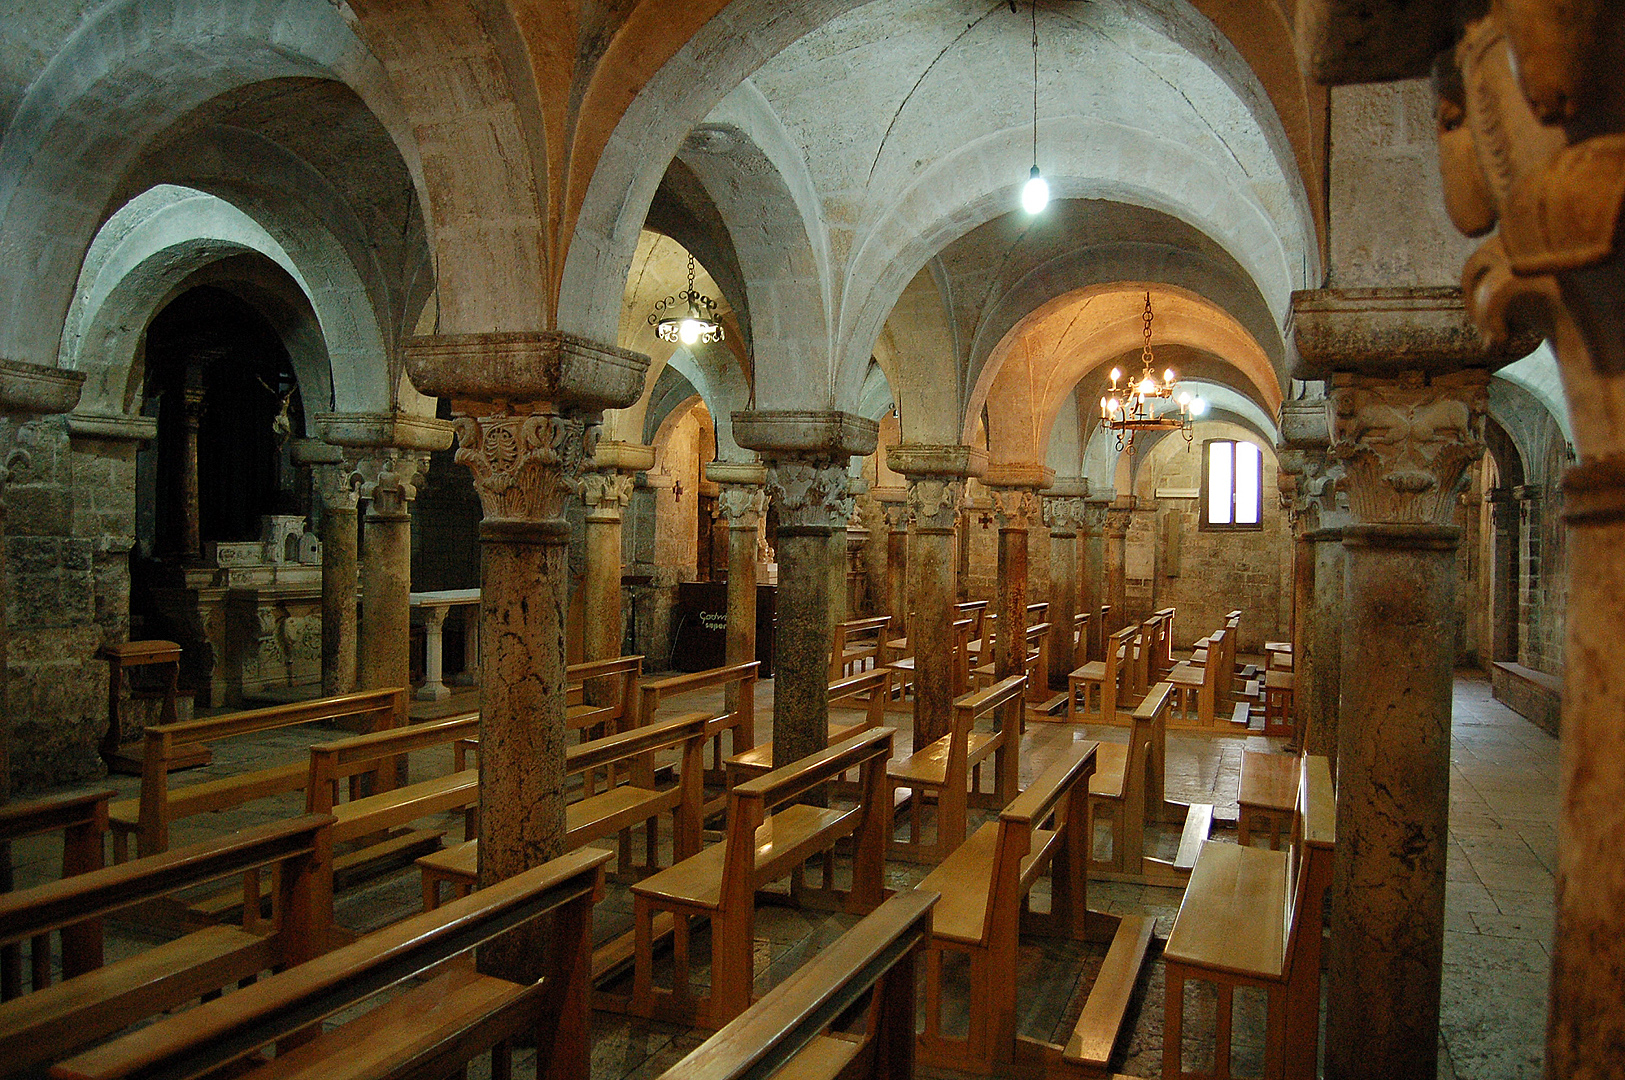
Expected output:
{"points": [[606, 492], [1311, 489], [388, 478], [742, 504], [331, 482], [525, 464], [809, 494], [934, 501], [1119, 515], [1406, 445], [1094, 515], [1063, 514], [1016, 507]]}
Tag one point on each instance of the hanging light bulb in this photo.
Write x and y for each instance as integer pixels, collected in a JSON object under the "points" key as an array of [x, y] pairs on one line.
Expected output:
{"points": [[1035, 193]]}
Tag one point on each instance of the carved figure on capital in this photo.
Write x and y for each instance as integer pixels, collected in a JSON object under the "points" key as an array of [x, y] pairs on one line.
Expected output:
{"points": [[607, 490], [742, 505], [335, 485], [1064, 514], [810, 494], [524, 464], [1017, 508], [1406, 445], [388, 478], [1118, 519], [1312, 488], [934, 501]]}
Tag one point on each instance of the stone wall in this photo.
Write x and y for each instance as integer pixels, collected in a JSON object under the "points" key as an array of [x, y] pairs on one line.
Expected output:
{"points": [[69, 531], [1171, 561]]}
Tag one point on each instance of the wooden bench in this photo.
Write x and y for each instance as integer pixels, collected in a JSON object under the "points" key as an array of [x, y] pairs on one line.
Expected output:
{"points": [[1252, 918], [1199, 687], [720, 883], [870, 689], [149, 816], [1278, 704], [628, 800], [1268, 796], [1098, 680], [903, 669], [122, 657], [432, 1029], [983, 910], [1128, 792], [56, 1021], [1036, 666], [1080, 639], [82, 820], [737, 719], [784, 1034], [858, 644], [369, 818], [942, 768]]}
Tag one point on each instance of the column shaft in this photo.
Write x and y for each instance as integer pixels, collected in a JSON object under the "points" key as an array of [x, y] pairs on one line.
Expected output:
{"points": [[1303, 605], [338, 599], [1116, 579], [1320, 672], [741, 639], [386, 604], [522, 733], [1016, 507], [933, 589], [1063, 602], [1387, 897], [897, 587], [801, 639]]}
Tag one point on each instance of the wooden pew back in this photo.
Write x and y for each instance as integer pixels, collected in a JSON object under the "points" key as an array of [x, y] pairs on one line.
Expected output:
{"points": [[740, 720], [870, 688], [379, 709], [82, 820], [1119, 652], [609, 693], [630, 754], [783, 1031], [856, 641], [56, 1021], [1080, 639], [285, 1006], [375, 754]]}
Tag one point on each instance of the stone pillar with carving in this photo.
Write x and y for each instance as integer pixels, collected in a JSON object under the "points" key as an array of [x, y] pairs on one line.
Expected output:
{"points": [[1063, 510], [1503, 570], [740, 503], [387, 479], [1405, 445], [1014, 489], [330, 482], [1118, 516], [807, 455], [606, 490], [936, 488], [526, 407]]}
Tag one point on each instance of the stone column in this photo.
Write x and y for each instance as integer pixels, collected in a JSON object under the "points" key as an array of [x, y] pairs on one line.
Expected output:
{"points": [[896, 594], [1118, 516], [1529, 596], [389, 453], [807, 456], [741, 504], [936, 488], [190, 540], [1063, 509], [1320, 675], [1093, 543], [1504, 580], [526, 457], [1405, 446], [1015, 501], [606, 491], [331, 483], [835, 561], [388, 481]]}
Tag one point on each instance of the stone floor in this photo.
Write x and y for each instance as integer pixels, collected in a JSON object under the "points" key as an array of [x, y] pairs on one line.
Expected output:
{"points": [[1498, 921]]}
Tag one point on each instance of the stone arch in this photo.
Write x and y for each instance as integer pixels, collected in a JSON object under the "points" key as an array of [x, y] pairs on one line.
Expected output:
{"points": [[169, 234], [106, 95], [1041, 360]]}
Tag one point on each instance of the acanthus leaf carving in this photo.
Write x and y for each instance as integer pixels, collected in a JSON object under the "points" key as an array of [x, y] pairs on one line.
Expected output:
{"points": [[524, 465], [741, 504], [809, 494], [606, 491], [387, 477], [1405, 447], [1063, 513]]}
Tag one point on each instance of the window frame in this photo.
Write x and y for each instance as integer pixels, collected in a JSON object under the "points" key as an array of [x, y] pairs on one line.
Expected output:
{"points": [[1202, 522]]}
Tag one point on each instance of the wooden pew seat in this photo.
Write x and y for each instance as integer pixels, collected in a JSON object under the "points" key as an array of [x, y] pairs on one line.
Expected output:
{"points": [[961, 914], [1268, 791], [1233, 911]]}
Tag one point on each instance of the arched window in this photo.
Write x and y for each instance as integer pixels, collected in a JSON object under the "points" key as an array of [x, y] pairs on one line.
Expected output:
{"points": [[1232, 485]]}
